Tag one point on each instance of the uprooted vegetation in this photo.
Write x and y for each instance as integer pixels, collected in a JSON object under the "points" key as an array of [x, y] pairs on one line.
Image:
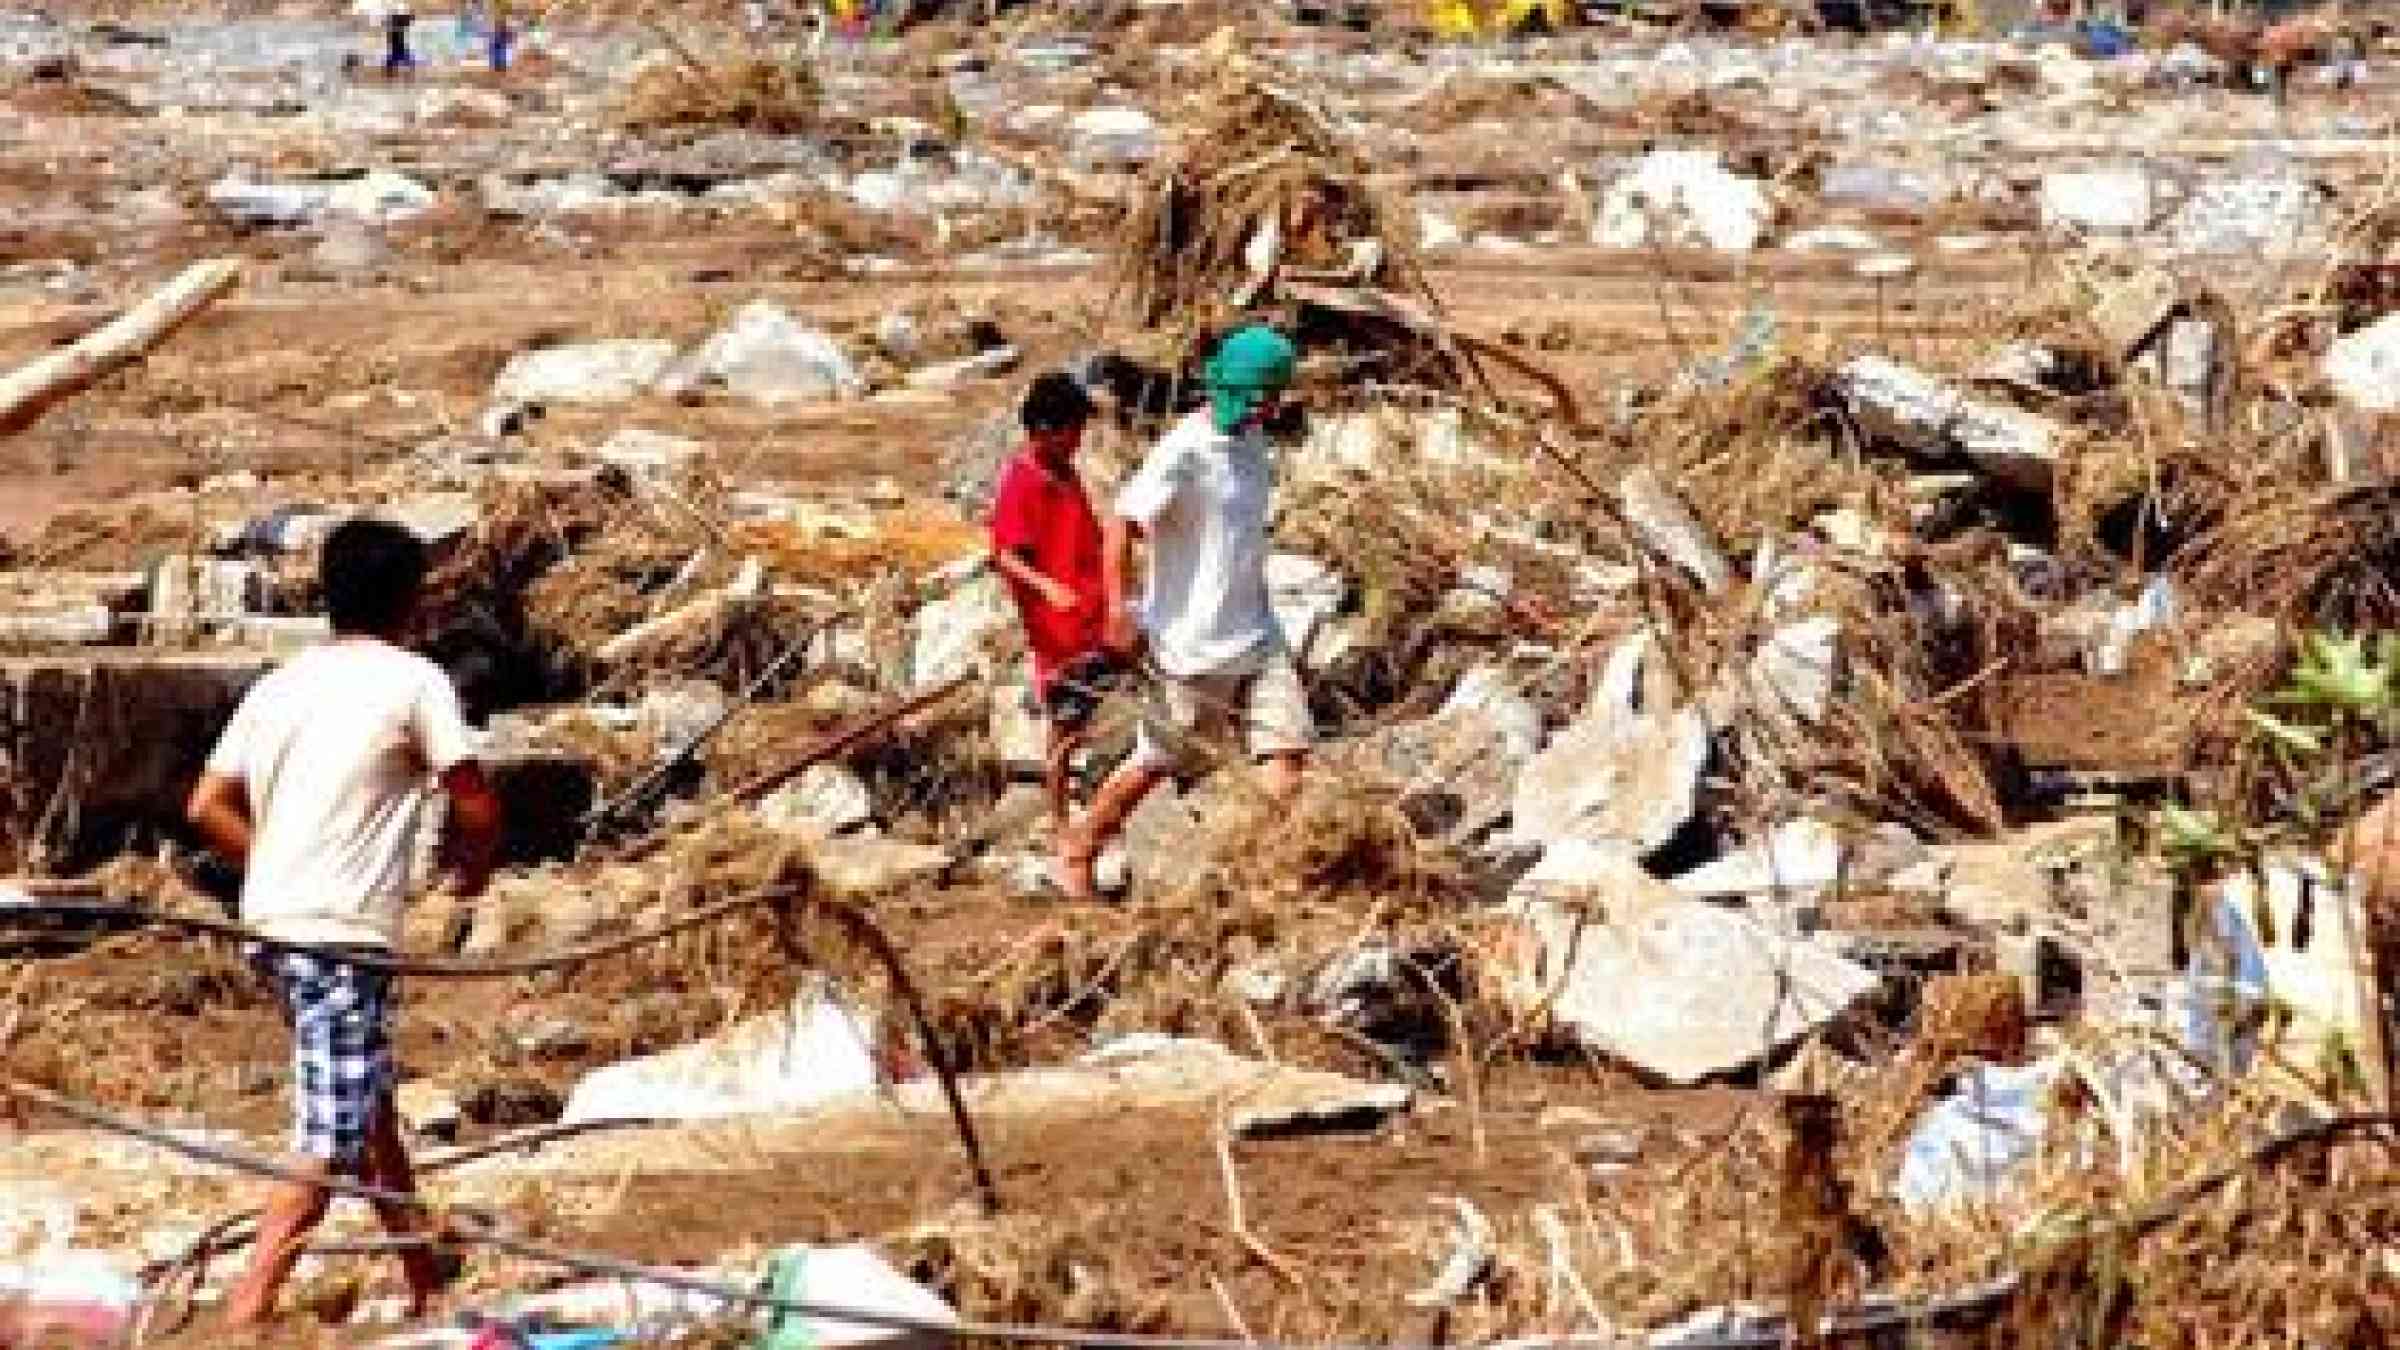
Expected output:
{"points": [[764, 91]]}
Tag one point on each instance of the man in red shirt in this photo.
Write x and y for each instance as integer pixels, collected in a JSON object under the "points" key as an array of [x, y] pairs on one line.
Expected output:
{"points": [[1046, 545]]}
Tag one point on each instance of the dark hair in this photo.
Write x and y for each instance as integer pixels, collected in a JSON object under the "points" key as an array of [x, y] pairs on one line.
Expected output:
{"points": [[1056, 402], [371, 571]]}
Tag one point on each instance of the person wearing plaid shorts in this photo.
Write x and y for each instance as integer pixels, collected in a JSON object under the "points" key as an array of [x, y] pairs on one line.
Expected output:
{"points": [[316, 791], [339, 1014]]}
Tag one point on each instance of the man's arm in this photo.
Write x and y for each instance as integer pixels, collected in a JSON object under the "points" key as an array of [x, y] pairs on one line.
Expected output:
{"points": [[1116, 583], [474, 825], [1150, 494], [219, 808]]}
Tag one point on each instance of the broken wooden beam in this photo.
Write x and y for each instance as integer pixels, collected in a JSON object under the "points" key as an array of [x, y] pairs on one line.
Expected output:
{"points": [[34, 388]]}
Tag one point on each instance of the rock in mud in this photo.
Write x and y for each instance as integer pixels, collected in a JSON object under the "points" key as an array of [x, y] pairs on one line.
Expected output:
{"points": [[766, 356], [2268, 217], [954, 633], [613, 371], [783, 1062], [379, 197]]}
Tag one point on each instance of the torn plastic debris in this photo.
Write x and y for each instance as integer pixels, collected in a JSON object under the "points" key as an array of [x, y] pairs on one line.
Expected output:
{"points": [[1970, 1144], [1973, 1144], [2300, 948], [67, 1297], [851, 1277]]}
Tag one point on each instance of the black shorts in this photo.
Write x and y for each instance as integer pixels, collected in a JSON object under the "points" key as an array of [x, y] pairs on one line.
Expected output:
{"points": [[1076, 692]]}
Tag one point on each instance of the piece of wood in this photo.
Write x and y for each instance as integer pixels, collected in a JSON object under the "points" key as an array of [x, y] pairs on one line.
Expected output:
{"points": [[31, 390]]}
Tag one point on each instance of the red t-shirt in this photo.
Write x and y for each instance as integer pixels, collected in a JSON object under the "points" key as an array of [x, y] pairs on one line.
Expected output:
{"points": [[1045, 519]]}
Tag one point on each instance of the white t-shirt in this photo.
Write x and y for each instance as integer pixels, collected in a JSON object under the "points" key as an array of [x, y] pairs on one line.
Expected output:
{"points": [[1203, 496], [340, 750]]}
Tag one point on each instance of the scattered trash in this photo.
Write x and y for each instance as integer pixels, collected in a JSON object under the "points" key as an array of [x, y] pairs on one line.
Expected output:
{"points": [[850, 1277]]}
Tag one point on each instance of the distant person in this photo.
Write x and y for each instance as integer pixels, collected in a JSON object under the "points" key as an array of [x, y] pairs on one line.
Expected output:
{"points": [[491, 30], [397, 58], [1201, 501], [501, 49], [393, 18], [317, 791], [1046, 546]]}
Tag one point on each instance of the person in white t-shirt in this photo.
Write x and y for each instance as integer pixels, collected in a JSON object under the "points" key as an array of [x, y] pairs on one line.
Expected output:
{"points": [[1201, 501], [317, 791]]}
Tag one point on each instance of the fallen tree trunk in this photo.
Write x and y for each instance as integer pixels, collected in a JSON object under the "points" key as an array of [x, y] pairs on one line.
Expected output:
{"points": [[42, 384]]}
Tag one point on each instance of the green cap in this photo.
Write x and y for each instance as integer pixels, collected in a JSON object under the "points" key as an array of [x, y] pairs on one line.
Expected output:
{"points": [[1252, 363]]}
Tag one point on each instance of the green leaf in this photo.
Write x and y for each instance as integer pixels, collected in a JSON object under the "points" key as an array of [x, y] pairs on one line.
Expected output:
{"points": [[2339, 673], [2193, 835], [2297, 739]]}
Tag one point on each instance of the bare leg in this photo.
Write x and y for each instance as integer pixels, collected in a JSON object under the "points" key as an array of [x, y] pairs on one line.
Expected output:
{"points": [[1057, 762], [1078, 847], [1280, 775], [292, 1211], [387, 1169]]}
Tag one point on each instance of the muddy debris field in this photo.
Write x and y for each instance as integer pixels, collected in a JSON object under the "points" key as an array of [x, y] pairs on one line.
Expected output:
{"points": [[1844, 581]]}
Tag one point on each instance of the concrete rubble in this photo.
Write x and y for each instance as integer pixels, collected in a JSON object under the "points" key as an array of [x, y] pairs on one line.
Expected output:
{"points": [[1920, 413], [1678, 989], [1629, 779], [776, 1064]]}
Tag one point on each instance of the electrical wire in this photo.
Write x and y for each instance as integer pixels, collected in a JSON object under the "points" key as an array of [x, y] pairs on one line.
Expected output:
{"points": [[786, 902], [478, 1231]]}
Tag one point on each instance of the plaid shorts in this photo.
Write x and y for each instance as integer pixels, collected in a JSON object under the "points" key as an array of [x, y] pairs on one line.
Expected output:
{"points": [[342, 1070]]}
